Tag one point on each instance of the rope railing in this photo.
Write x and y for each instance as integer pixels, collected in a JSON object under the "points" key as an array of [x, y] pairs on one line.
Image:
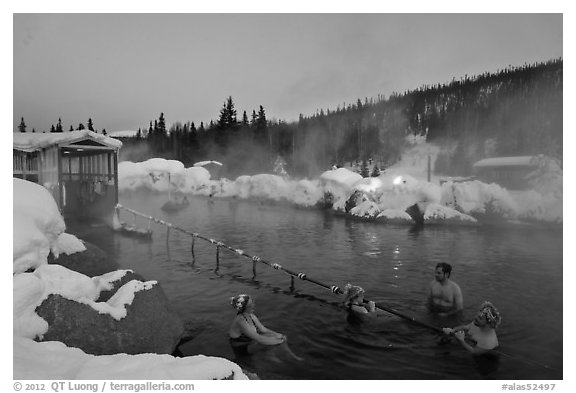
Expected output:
{"points": [[255, 259]]}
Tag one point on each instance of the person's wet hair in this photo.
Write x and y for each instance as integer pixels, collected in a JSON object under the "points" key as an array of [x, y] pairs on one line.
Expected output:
{"points": [[240, 302], [491, 314], [446, 268]]}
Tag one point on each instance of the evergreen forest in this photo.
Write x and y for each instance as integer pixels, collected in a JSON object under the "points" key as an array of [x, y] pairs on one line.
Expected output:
{"points": [[510, 112]]}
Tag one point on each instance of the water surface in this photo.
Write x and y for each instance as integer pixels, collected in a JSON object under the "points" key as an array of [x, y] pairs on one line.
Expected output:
{"points": [[394, 264]]}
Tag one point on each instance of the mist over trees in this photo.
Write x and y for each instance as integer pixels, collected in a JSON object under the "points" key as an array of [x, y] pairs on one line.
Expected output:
{"points": [[514, 111]]}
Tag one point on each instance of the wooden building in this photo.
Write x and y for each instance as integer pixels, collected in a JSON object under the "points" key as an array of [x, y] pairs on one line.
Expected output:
{"points": [[79, 168], [508, 172]]}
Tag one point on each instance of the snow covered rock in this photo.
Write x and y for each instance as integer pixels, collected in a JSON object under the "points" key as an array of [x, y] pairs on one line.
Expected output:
{"points": [[135, 319], [438, 214], [93, 261]]}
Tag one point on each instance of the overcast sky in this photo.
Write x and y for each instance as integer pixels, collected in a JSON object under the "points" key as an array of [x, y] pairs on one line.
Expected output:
{"points": [[122, 70]]}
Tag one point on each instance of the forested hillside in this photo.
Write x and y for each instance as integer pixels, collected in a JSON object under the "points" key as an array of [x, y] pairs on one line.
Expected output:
{"points": [[515, 111]]}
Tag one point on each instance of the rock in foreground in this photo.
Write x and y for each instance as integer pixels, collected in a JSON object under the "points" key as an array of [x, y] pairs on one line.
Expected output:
{"points": [[148, 327]]}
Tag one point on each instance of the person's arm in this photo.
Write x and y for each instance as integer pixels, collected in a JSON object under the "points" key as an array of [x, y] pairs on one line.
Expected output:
{"points": [[429, 298], [264, 330], [476, 350], [460, 328], [458, 298], [250, 331]]}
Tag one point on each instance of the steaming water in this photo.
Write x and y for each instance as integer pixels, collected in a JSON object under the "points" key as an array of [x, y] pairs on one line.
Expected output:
{"points": [[519, 270]]}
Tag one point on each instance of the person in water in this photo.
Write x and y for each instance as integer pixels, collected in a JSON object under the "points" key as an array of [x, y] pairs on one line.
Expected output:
{"points": [[479, 336], [354, 300], [247, 328], [444, 297]]}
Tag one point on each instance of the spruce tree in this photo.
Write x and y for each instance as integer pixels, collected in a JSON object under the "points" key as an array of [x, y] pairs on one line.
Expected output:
{"points": [[227, 118], [59, 125], [364, 170], [71, 128], [22, 126], [161, 126], [375, 171], [90, 125], [81, 127], [52, 128], [261, 130]]}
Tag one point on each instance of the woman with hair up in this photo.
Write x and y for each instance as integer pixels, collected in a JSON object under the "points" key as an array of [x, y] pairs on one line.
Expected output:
{"points": [[247, 328], [354, 300], [479, 336]]}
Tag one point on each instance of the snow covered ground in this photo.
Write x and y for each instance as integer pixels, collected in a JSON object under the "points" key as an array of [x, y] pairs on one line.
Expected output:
{"points": [[384, 198], [38, 229]]}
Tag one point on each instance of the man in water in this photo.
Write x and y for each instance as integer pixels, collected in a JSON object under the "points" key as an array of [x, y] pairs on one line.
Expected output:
{"points": [[445, 296]]}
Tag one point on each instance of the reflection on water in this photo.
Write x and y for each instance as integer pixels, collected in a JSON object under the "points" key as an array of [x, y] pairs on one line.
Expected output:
{"points": [[394, 264]]}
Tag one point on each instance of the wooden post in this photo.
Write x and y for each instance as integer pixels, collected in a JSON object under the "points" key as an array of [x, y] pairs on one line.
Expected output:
{"points": [[60, 180], [429, 168], [254, 268], [115, 169], [291, 283], [217, 257], [192, 249]]}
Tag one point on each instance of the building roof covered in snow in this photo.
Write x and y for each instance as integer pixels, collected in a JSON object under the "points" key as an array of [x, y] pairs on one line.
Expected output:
{"points": [[30, 141], [123, 134], [506, 161]]}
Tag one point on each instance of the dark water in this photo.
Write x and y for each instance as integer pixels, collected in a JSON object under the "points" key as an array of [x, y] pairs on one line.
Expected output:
{"points": [[519, 270]]}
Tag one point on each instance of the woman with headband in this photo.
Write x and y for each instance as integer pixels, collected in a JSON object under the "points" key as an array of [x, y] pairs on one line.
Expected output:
{"points": [[354, 300], [479, 336]]}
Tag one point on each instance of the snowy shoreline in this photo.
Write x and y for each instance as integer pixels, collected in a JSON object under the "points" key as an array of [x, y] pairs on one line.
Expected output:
{"points": [[39, 232], [385, 198]]}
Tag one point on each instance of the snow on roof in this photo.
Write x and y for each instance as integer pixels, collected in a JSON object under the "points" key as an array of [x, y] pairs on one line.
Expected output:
{"points": [[204, 163], [31, 141], [123, 134], [505, 161]]}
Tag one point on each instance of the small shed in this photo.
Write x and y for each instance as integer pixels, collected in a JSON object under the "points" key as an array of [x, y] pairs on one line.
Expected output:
{"points": [[508, 172], [79, 168]]}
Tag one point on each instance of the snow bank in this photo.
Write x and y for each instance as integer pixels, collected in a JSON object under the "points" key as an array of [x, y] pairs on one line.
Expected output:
{"points": [[38, 227], [54, 360], [389, 195], [158, 174]]}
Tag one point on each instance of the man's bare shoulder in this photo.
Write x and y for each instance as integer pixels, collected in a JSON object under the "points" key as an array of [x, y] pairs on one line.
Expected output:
{"points": [[455, 286]]}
